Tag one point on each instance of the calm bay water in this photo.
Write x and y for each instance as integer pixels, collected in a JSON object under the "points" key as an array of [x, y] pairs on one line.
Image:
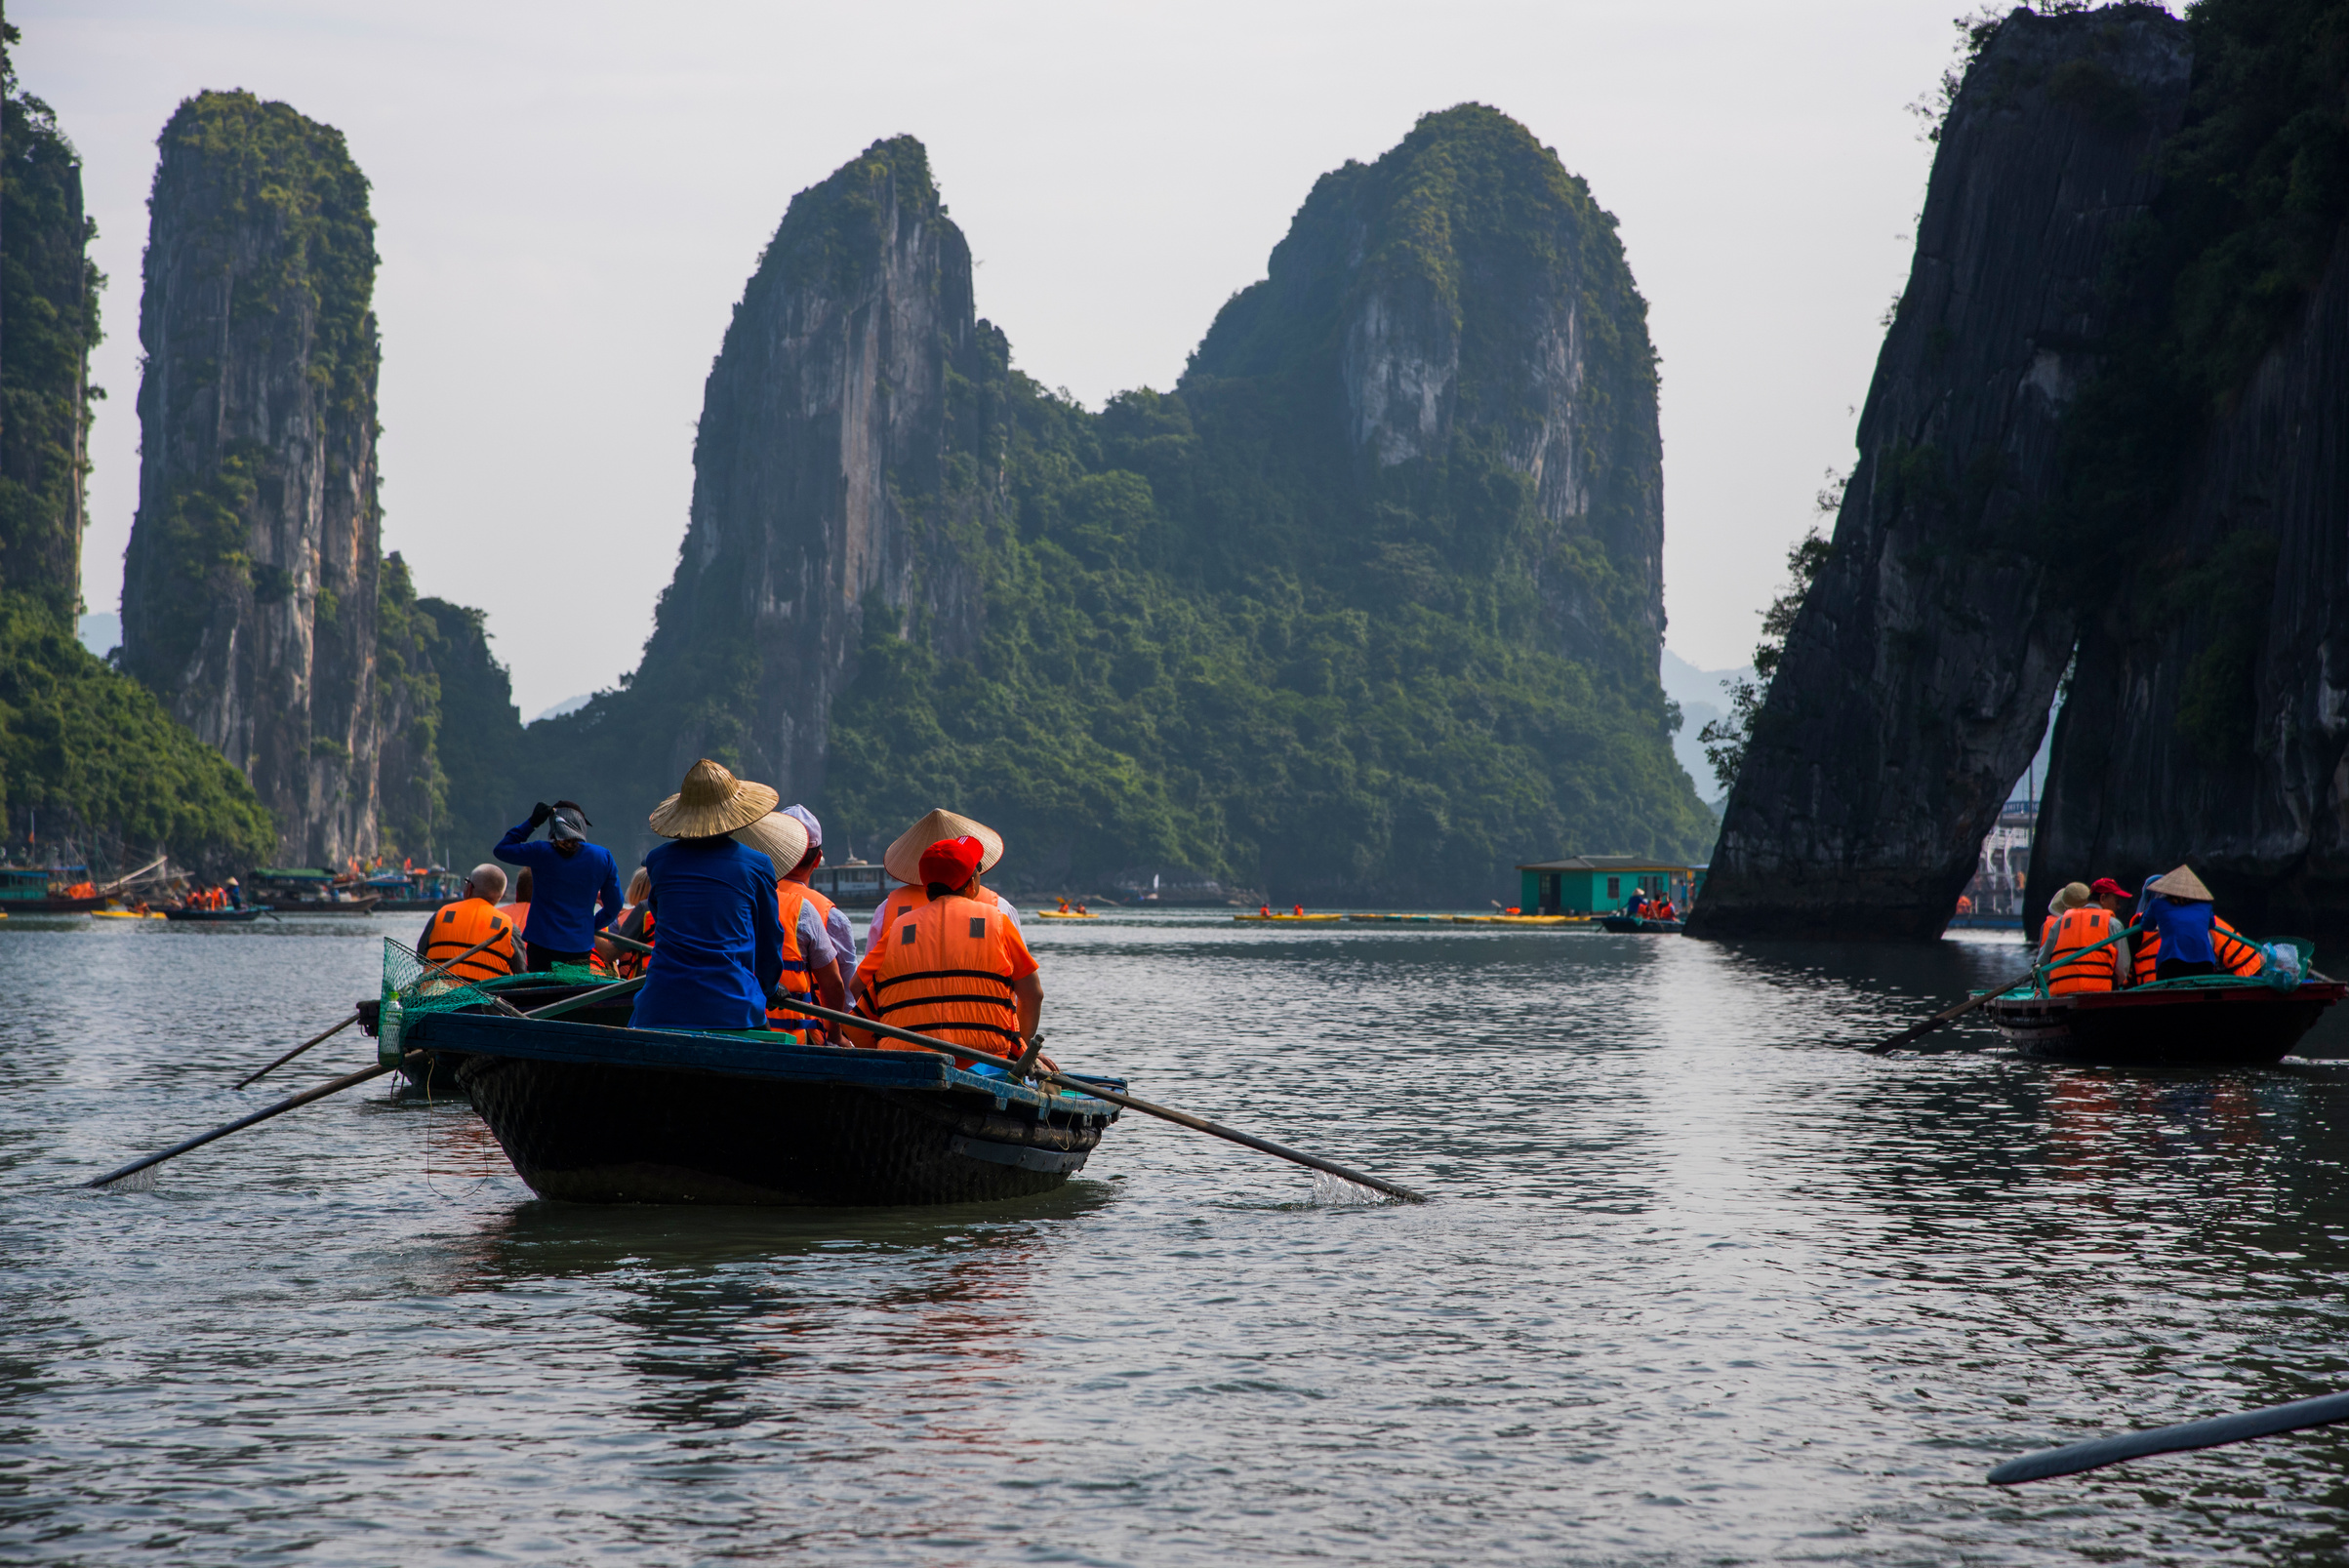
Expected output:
{"points": [[1698, 1287]]}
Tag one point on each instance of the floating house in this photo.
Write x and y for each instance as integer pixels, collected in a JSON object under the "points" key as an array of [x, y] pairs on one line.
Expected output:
{"points": [[1602, 884]]}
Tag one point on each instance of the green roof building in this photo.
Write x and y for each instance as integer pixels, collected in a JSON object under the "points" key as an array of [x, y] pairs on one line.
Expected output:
{"points": [[1602, 884]]}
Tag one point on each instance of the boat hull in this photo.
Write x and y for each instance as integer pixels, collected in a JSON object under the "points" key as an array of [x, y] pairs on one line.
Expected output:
{"points": [[2249, 1026], [588, 1113], [1637, 927], [322, 906], [216, 918], [54, 906]]}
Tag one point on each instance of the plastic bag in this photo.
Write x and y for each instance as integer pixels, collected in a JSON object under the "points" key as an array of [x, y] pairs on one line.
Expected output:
{"points": [[2284, 962]]}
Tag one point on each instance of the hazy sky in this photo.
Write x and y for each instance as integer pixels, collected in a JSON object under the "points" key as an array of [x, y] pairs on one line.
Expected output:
{"points": [[569, 199]]}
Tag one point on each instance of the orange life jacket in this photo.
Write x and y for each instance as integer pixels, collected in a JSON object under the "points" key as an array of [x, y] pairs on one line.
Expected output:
{"points": [[946, 968], [2234, 954], [799, 977], [459, 926], [2095, 972], [627, 963]]}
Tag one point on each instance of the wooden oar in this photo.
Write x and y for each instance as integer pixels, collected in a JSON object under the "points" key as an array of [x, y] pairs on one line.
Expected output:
{"points": [[332, 1086], [1948, 1013], [2072, 1459], [1087, 1086], [335, 1086], [354, 1014]]}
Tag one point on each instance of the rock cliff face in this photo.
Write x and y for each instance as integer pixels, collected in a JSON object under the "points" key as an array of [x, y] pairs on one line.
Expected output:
{"points": [[2208, 719], [250, 584], [48, 325], [1918, 676], [821, 485], [1464, 300]]}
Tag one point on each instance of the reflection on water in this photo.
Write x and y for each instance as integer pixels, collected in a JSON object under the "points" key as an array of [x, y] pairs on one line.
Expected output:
{"points": [[1700, 1285]]}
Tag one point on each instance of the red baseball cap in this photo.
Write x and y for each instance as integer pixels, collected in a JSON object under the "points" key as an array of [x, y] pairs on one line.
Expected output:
{"points": [[952, 860], [2105, 884]]}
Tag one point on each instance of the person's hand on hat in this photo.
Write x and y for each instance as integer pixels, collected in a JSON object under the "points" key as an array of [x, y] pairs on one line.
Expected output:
{"points": [[540, 813]]}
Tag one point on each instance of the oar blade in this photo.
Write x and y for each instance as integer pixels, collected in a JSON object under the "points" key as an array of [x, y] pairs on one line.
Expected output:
{"points": [[2213, 1432]]}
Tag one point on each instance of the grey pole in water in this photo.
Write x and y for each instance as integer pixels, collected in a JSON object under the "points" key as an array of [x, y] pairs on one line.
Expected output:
{"points": [[2323, 1411]]}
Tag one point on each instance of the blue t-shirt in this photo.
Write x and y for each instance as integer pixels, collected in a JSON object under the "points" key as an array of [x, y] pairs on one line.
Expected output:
{"points": [[2184, 930], [717, 947], [572, 897]]}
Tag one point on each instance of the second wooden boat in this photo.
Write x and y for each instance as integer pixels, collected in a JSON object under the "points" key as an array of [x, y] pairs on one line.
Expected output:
{"points": [[218, 918], [1634, 924], [2228, 1026], [592, 1114]]}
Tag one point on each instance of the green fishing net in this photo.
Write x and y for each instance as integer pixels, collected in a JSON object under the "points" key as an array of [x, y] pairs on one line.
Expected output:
{"points": [[405, 977]]}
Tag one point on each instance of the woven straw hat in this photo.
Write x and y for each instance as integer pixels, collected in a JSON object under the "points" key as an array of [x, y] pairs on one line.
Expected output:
{"points": [[2072, 896], [903, 859], [781, 835], [712, 802], [2182, 883]]}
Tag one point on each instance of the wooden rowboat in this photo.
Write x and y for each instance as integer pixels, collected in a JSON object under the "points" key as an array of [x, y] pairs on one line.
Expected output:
{"points": [[1631, 923], [593, 1114], [2245, 1025], [214, 916], [322, 906]]}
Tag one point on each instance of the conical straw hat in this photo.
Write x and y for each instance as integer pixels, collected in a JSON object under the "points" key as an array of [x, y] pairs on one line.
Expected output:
{"points": [[781, 835], [904, 858], [712, 802], [2182, 883]]}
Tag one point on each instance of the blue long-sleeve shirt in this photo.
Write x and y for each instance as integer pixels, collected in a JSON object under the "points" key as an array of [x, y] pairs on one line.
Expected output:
{"points": [[718, 950], [2184, 930], [572, 897]]}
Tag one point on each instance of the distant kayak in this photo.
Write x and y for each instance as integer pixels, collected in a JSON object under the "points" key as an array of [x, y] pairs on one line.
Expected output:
{"points": [[1639, 927], [1066, 914], [126, 914], [1292, 919]]}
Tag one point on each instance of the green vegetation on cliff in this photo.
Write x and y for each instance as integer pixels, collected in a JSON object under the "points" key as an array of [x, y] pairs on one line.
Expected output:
{"points": [[49, 313], [94, 755]]}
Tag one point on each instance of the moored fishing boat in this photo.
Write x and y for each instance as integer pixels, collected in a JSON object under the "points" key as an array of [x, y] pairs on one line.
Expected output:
{"points": [[592, 1114], [2198, 1025]]}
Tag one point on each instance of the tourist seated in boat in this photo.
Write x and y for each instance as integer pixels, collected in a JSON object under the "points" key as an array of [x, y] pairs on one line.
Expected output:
{"points": [[837, 924], [721, 950], [517, 910], [1664, 910], [2076, 946], [575, 891], [903, 861], [635, 923], [811, 963], [952, 967], [473, 918]]}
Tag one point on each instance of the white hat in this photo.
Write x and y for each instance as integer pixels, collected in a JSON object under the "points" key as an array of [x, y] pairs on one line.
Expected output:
{"points": [[807, 820]]}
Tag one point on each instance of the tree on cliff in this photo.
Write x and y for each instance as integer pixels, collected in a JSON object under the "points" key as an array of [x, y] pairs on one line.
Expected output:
{"points": [[1370, 605]]}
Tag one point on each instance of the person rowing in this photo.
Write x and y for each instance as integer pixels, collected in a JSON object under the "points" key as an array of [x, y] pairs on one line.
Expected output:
{"points": [[720, 951], [811, 963], [953, 966], [903, 861], [2184, 935], [577, 884]]}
